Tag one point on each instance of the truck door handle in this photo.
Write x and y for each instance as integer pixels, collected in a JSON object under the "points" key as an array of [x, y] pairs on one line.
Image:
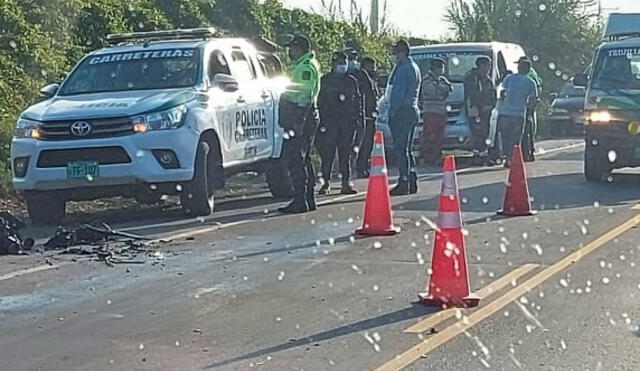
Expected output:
{"points": [[241, 100]]}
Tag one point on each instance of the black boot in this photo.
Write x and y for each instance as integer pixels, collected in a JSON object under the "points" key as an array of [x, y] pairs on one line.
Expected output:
{"points": [[401, 189], [413, 183], [347, 189], [297, 206]]}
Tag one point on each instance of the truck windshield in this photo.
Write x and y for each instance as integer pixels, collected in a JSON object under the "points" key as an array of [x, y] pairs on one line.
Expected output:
{"points": [[457, 64], [137, 70], [617, 69]]}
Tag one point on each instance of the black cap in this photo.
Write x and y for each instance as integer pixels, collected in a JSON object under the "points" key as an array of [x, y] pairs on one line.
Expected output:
{"points": [[337, 56], [351, 53], [482, 59], [300, 41], [524, 59], [401, 45], [437, 62]]}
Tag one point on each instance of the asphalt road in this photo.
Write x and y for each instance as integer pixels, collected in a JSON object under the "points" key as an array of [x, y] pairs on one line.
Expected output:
{"points": [[249, 289]]}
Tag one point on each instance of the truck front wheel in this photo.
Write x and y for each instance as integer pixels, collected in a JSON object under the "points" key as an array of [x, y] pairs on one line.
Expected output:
{"points": [[278, 179], [46, 210], [196, 197]]}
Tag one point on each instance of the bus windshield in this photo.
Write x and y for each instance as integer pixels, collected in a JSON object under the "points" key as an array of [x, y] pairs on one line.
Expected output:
{"points": [[457, 63], [617, 69]]}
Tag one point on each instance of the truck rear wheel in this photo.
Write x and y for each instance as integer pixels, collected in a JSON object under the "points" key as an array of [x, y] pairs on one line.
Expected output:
{"points": [[278, 179], [596, 165], [197, 197], [46, 210]]}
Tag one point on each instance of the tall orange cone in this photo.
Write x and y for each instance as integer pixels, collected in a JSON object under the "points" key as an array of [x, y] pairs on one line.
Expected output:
{"points": [[377, 210], [449, 281], [516, 199]]}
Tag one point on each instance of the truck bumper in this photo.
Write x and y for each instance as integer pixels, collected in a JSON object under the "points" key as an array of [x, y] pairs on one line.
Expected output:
{"points": [[123, 161]]}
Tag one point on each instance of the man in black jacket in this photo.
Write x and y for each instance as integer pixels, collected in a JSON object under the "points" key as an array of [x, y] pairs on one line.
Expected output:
{"points": [[480, 99], [339, 105], [368, 108]]}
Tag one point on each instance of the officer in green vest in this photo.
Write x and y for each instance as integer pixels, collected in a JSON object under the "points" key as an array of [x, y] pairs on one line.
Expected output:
{"points": [[298, 116]]}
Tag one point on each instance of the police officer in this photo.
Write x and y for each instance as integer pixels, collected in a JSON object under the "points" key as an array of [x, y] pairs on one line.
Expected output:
{"points": [[480, 99], [299, 118], [339, 105], [367, 110]]}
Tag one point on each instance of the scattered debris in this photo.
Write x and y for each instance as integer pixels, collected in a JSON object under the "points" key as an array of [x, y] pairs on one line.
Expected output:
{"points": [[11, 242], [104, 243]]}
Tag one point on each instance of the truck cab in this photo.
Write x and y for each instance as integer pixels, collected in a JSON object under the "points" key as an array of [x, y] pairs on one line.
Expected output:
{"points": [[612, 103], [156, 113]]}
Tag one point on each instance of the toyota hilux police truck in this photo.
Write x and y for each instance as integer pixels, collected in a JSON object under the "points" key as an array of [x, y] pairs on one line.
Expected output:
{"points": [[612, 104], [156, 113]]}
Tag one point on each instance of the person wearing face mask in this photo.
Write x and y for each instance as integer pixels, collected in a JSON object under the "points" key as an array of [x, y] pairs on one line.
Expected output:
{"points": [[434, 91], [298, 116], [404, 85], [339, 106], [368, 107]]}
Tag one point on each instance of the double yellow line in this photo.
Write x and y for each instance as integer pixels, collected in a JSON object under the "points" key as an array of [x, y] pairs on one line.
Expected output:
{"points": [[414, 353]]}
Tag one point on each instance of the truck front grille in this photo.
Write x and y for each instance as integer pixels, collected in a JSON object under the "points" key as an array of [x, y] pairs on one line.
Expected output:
{"points": [[100, 128], [103, 155]]}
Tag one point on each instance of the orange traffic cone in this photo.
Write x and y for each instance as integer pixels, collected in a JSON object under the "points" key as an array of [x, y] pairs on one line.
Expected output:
{"points": [[516, 200], [449, 281], [377, 210]]}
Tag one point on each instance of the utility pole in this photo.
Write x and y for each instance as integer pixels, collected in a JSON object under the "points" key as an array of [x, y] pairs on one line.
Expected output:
{"points": [[374, 17]]}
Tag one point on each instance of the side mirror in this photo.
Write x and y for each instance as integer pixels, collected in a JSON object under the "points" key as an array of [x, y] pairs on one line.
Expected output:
{"points": [[581, 79], [49, 90], [226, 82]]}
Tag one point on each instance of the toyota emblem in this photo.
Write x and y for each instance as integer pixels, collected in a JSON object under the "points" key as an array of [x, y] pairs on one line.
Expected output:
{"points": [[80, 128]]}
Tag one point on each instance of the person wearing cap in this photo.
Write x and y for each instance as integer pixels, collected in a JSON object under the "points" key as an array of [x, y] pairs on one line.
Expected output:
{"points": [[520, 94], [531, 125], [363, 162], [368, 106], [339, 106], [480, 99], [434, 91], [298, 116], [404, 86]]}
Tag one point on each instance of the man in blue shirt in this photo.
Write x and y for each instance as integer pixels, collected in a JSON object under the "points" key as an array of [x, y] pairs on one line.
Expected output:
{"points": [[520, 93], [404, 84]]}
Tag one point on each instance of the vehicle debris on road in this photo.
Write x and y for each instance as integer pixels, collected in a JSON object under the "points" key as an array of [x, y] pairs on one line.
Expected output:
{"points": [[102, 242], [11, 241]]}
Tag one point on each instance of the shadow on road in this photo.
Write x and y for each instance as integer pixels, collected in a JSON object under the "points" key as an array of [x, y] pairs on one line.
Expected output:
{"points": [[414, 311], [563, 191]]}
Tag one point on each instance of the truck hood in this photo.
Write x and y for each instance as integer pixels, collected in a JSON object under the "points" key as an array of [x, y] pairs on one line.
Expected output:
{"points": [[105, 105], [612, 99]]}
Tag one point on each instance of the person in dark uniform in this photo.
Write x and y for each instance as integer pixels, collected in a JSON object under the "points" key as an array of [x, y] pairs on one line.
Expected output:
{"points": [[367, 109], [480, 99], [298, 116], [339, 105]]}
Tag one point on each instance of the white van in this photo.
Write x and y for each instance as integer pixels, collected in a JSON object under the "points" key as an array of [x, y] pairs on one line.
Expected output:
{"points": [[459, 59]]}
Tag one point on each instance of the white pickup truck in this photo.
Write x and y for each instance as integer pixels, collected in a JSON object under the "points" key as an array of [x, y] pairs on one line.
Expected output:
{"points": [[157, 113]]}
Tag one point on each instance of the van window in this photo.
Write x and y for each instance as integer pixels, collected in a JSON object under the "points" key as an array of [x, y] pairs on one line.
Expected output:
{"points": [[242, 68], [457, 63], [218, 64], [502, 65]]}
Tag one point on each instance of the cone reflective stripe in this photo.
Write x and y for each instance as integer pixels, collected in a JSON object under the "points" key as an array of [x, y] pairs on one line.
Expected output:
{"points": [[449, 280], [377, 219], [516, 199]]}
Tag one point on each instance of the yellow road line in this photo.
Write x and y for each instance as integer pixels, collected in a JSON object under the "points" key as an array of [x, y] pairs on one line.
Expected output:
{"points": [[635, 207], [408, 357], [486, 291]]}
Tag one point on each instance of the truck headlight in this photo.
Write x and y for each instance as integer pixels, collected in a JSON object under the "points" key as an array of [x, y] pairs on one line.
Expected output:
{"points": [[27, 129], [600, 116], [162, 120]]}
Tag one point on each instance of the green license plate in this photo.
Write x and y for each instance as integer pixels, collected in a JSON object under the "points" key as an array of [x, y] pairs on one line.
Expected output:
{"points": [[83, 169]]}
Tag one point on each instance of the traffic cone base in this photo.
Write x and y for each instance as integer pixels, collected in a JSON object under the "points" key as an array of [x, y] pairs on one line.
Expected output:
{"points": [[516, 198], [378, 219], [469, 301]]}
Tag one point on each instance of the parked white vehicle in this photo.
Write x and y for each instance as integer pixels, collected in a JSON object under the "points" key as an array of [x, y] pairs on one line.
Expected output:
{"points": [[459, 60], [156, 113]]}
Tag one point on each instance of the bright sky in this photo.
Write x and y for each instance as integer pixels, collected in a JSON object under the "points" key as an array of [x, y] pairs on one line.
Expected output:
{"points": [[427, 20]]}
